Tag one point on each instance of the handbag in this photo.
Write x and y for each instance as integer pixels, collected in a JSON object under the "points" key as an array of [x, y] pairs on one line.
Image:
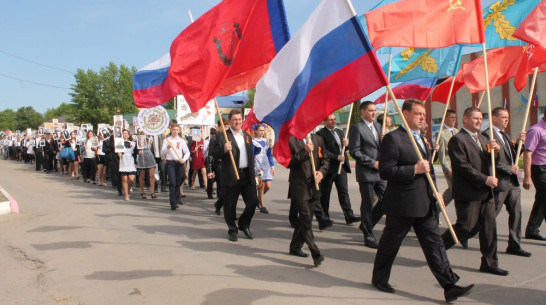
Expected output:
{"points": [[68, 154]]}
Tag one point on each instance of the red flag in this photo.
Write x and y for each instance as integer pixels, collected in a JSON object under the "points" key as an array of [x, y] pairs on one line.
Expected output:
{"points": [[441, 93], [426, 23], [250, 121], [533, 57], [416, 88], [533, 28], [227, 49]]}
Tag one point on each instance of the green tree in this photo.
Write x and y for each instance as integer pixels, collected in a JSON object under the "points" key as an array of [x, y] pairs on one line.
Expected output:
{"points": [[356, 116], [68, 111], [7, 120], [250, 93], [27, 117]]}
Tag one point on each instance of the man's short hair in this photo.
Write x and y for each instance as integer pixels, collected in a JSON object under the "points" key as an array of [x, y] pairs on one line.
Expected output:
{"points": [[468, 111], [380, 118], [221, 120], [234, 112], [408, 104], [365, 104], [497, 110], [450, 111]]}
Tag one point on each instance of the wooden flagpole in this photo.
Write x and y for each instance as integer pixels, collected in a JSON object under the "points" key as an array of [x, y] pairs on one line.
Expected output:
{"points": [[313, 164], [488, 92], [226, 138], [386, 96], [444, 116], [531, 92], [346, 137], [438, 196], [481, 99]]}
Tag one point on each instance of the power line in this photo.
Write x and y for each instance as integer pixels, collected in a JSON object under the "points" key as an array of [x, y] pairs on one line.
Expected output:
{"points": [[37, 63], [27, 81]]}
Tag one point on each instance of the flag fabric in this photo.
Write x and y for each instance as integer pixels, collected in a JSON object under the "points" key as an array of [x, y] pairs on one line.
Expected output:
{"points": [[227, 49], [533, 57], [387, 50], [536, 100], [426, 23], [533, 28], [502, 18], [441, 92], [328, 64], [522, 103], [416, 88], [424, 63], [250, 121], [152, 85]]}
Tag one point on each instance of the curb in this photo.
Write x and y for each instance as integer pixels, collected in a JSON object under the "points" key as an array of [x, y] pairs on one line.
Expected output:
{"points": [[13, 206]]}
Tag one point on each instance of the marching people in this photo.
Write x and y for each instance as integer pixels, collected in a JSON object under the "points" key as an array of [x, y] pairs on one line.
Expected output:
{"points": [[264, 165], [334, 141], [88, 165], [101, 161], [214, 167], [206, 152], [240, 145], [112, 159], [197, 162], [448, 131], [303, 193], [507, 193], [175, 153], [473, 187], [127, 169], [146, 164], [38, 153], [49, 152], [73, 156], [409, 203]]}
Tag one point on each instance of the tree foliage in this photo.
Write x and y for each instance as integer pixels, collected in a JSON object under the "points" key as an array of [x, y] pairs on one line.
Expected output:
{"points": [[250, 93], [7, 120], [68, 111], [98, 96], [356, 116], [27, 117]]}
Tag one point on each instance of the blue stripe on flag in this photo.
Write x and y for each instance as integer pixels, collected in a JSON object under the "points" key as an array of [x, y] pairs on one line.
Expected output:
{"points": [[149, 78], [278, 23]]}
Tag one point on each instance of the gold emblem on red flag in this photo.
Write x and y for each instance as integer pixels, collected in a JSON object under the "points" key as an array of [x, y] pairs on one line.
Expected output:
{"points": [[227, 40], [456, 5]]}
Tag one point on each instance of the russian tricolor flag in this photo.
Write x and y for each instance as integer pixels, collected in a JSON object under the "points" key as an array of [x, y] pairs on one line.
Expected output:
{"points": [[328, 64], [152, 85]]}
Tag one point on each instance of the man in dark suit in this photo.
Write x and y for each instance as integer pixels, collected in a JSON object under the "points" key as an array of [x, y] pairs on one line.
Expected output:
{"points": [[334, 140], [364, 142], [303, 193], [507, 193], [473, 190], [409, 202], [240, 144]]}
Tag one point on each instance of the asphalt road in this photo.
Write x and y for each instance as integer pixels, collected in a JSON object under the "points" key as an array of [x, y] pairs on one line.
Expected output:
{"points": [[76, 243]]}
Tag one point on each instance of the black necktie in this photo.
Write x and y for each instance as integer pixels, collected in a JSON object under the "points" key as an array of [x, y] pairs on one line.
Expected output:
{"points": [[507, 146]]}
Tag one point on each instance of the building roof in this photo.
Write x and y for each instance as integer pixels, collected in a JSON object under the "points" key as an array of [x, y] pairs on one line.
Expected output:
{"points": [[232, 101]]}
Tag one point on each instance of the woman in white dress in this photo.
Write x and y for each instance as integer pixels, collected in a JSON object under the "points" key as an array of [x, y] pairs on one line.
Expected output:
{"points": [[263, 163], [127, 169], [146, 163]]}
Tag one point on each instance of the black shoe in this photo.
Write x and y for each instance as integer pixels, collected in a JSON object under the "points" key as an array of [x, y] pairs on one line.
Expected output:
{"points": [[179, 201], [327, 224], [453, 292], [248, 233], [370, 243], [464, 243], [298, 252], [536, 236], [264, 210], [210, 196], [174, 207], [386, 287], [519, 252], [217, 210], [120, 194], [351, 220], [232, 236], [494, 270], [318, 260], [293, 225]]}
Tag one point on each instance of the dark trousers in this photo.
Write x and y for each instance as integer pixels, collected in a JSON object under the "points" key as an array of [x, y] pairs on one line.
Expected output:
{"points": [[511, 198], [342, 193], [538, 213], [89, 169], [427, 232], [175, 172], [231, 194], [303, 232], [114, 175], [293, 215], [162, 173], [219, 194], [371, 214], [38, 157], [474, 217], [48, 160]]}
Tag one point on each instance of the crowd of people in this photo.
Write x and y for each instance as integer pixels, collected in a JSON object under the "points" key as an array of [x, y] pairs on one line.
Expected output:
{"points": [[392, 179]]}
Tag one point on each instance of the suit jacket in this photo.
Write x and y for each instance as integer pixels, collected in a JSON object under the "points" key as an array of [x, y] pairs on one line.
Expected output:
{"points": [[443, 153], [301, 179], [333, 150], [406, 195], [227, 175], [365, 150], [470, 167], [503, 163]]}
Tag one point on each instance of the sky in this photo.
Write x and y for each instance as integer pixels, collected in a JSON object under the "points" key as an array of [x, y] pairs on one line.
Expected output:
{"points": [[44, 42]]}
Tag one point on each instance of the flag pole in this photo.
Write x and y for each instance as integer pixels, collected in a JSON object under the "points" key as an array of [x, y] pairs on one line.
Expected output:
{"points": [[439, 197], [346, 137], [488, 92], [531, 92], [313, 165], [481, 99], [444, 116], [226, 138], [386, 96]]}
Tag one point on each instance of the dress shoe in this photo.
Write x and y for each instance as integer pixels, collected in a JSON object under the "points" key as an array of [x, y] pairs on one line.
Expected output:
{"points": [[327, 224], [174, 207], [293, 225], [232, 236], [453, 292], [352, 219], [217, 210], [493, 270], [370, 243], [534, 236], [298, 252], [386, 287], [518, 251], [210, 196], [179, 201], [248, 233], [464, 243], [264, 210], [318, 260]]}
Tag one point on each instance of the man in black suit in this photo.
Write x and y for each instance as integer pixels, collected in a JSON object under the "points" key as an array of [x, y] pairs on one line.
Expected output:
{"points": [[507, 193], [303, 193], [364, 142], [334, 140], [473, 190], [240, 144], [409, 202]]}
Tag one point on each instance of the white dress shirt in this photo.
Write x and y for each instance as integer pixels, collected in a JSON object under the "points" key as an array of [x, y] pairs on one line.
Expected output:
{"points": [[179, 145], [243, 156]]}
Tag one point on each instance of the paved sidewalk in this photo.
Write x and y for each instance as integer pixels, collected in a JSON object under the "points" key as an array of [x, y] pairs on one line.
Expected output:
{"points": [[77, 243]]}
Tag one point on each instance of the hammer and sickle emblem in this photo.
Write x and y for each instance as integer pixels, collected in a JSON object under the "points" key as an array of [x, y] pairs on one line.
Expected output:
{"points": [[456, 5]]}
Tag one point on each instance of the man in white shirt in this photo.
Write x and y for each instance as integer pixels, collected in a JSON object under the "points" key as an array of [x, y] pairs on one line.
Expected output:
{"points": [[175, 152]]}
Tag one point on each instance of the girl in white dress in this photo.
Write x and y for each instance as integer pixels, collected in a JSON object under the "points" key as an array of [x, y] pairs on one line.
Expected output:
{"points": [[127, 169], [263, 163]]}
